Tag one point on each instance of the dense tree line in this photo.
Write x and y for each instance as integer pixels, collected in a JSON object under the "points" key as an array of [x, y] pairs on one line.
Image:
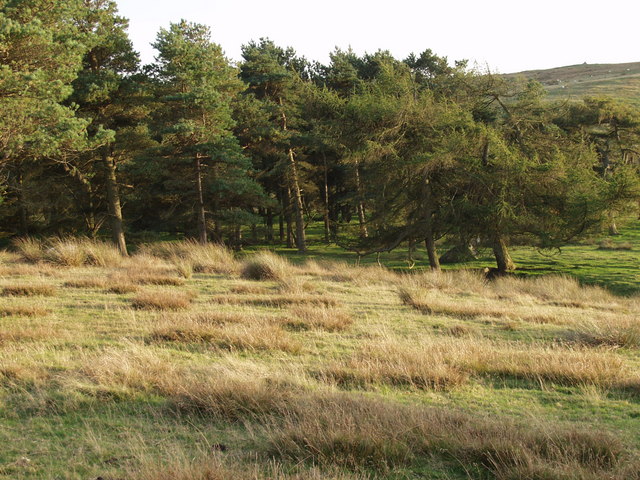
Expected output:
{"points": [[384, 152]]}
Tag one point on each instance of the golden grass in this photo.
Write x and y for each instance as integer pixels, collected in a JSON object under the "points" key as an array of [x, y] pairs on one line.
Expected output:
{"points": [[363, 433], [266, 266], [232, 337], [22, 311], [248, 289], [209, 466], [162, 300], [209, 258], [276, 301], [68, 251], [618, 331], [440, 363], [437, 303], [232, 390], [318, 317], [93, 282], [393, 363], [29, 290]]}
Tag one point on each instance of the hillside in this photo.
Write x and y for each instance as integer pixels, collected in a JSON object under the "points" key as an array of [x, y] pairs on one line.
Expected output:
{"points": [[620, 80]]}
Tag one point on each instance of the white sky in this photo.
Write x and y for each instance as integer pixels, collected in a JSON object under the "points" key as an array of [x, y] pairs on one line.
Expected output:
{"points": [[508, 36]]}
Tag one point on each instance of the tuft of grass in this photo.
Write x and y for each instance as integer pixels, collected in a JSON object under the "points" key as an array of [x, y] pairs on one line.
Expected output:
{"points": [[266, 266], [608, 244], [620, 331], [233, 338], [276, 301], [22, 311], [440, 363], [320, 317], [68, 251], [86, 283], [392, 363], [209, 258], [162, 300], [361, 433], [29, 290], [30, 249]]}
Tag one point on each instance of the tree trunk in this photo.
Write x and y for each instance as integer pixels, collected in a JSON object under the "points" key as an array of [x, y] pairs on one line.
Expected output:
{"points": [[288, 218], [22, 206], [430, 244], [326, 199], [503, 258], [113, 201], [613, 228], [429, 241], [202, 220], [364, 233], [300, 238], [269, 224]]}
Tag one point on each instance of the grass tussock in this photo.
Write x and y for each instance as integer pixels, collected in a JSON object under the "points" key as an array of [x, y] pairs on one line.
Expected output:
{"points": [[320, 317], [29, 290], [209, 258], [266, 266], [393, 363], [22, 311], [230, 391], [608, 244], [249, 289], [163, 300], [68, 252], [465, 307], [210, 467], [277, 301], [619, 331], [235, 337], [362, 434], [96, 282], [440, 363]]}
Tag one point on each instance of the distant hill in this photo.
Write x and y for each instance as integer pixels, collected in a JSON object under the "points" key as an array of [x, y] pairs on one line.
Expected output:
{"points": [[619, 80]]}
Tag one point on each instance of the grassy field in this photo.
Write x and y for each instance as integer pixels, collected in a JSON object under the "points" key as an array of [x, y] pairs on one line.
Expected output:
{"points": [[183, 362], [611, 262]]}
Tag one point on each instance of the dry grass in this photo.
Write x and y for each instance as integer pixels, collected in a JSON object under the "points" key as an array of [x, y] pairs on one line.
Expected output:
{"points": [[233, 331], [619, 331], [276, 301], [163, 300], [94, 282], [266, 266], [210, 467], [320, 317], [29, 290], [68, 251], [209, 258], [393, 363], [22, 311], [162, 280], [438, 363], [466, 307], [362, 433], [235, 337], [249, 289], [231, 391], [344, 272]]}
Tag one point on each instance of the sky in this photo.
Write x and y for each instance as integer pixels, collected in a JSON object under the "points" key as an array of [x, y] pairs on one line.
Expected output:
{"points": [[504, 36]]}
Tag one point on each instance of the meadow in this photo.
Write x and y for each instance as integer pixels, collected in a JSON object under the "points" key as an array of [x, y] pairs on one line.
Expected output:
{"points": [[189, 362]]}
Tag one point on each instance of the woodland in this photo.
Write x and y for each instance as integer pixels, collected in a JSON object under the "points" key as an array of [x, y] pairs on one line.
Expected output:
{"points": [[380, 152]]}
